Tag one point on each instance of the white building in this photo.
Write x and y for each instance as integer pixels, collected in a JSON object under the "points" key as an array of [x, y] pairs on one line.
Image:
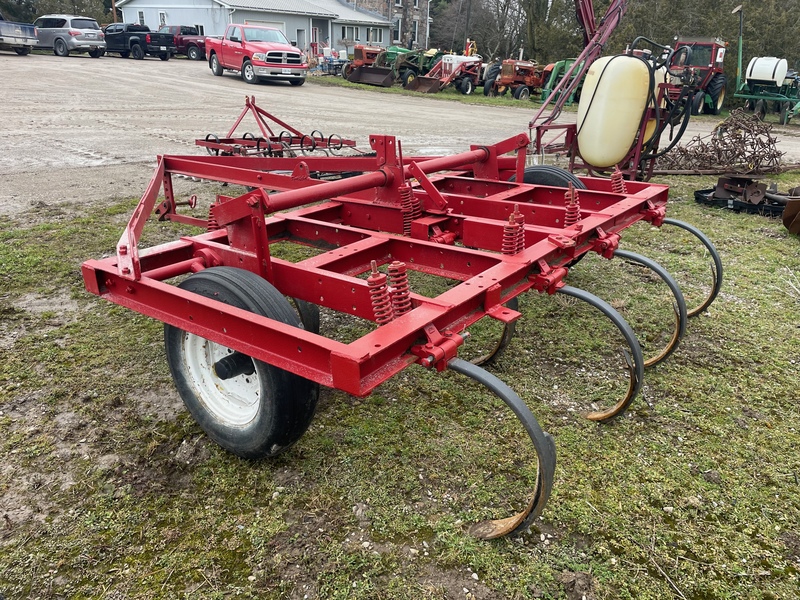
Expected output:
{"points": [[310, 24]]}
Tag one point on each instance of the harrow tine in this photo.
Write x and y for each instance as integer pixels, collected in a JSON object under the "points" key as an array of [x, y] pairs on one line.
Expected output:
{"points": [[716, 268], [681, 313], [633, 357], [542, 442], [503, 341]]}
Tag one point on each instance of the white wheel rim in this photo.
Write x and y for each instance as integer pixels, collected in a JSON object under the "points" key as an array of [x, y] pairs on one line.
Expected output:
{"points": [[234, 401]]}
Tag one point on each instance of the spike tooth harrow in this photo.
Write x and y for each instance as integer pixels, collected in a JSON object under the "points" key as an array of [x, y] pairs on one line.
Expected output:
{"points": [[447, 216]]}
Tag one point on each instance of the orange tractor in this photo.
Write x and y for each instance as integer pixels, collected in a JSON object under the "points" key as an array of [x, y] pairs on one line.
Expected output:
{"points": [[518, 76]]}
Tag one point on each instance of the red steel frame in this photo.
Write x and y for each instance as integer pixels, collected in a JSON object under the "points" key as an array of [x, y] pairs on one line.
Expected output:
{"points": [[270, 142], [464, 204]]}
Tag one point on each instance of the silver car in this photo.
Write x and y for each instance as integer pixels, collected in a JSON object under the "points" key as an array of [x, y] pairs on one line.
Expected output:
{"points": [[70, 33]]}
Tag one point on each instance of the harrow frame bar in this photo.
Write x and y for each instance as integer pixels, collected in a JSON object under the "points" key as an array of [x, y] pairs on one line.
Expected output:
{"points": [[465, 204]]}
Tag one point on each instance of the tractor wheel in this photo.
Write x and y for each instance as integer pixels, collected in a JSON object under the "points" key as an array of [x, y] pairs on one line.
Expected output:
{"points": [[407, 77], [784, 118], [716, 90], [465, 86], [137, 52], [522, 92], [248, 407], [761, 109], [347, 68], [214, 65], [491, 74], [698, 101]]}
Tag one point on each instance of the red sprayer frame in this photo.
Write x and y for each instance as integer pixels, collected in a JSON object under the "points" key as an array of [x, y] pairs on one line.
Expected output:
{"points": [[453, 216]]}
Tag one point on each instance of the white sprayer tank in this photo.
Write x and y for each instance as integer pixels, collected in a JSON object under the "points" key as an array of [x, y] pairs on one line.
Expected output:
{"points": [[766, 70], [610, 111]]}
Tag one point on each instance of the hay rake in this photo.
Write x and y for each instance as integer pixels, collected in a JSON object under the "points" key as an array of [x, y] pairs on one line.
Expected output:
{"points": [[242, 330]]}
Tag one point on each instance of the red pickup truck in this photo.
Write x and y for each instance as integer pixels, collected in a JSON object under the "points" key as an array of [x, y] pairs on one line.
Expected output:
{"points": [[258, 53], [187, 39]]}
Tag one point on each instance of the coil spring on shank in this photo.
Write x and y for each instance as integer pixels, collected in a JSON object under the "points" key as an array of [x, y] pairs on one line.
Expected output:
{"points": [[400, 292], [573, 212], [379, 296], [513, 237]]}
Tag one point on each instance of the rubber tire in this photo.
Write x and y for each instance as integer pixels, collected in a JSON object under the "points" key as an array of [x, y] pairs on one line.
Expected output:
{"points": [[194, 53], [60, 48], [96, 53], [784, 113], [286, 401], [716, 90], [698, 102], [248, 73], [550, 175], [125, 54], [760, 109], [297, 82], [214, 65], [165, 56], [347, 68], [491, 75], [466, 86], [137, 52], [24, 51], [407, 77], [522, 92]]}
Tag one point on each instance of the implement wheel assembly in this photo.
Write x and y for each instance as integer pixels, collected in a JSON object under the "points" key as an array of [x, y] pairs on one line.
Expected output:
{"points": [[248, 407]]}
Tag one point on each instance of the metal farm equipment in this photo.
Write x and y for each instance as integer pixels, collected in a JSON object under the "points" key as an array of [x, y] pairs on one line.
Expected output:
{"points": [[248, 361], [768, 83], [462, 72], [362, 69], [520, 77]]}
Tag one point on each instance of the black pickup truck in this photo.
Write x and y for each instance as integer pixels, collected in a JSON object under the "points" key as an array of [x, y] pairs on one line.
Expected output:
{"points": [[132, 39]]}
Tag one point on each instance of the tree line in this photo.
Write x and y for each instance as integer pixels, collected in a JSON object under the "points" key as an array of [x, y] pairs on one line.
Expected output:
{"points": [[548, 30]]}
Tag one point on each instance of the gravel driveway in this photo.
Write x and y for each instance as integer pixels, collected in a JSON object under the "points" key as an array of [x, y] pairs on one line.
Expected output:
{"points": [[79, 130]]}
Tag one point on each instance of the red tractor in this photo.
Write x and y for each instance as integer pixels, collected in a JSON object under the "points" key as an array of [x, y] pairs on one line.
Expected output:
{"points": [[518, 76], [700, 65], [361, 69]]}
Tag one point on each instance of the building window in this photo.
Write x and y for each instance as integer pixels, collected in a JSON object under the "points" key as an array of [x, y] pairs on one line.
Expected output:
{"points": [[398, 2], [162, 18], [415, 31], [201, 30], [350, 33], [375, 35], [141, 17], [416, 3], [397, 27]]}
